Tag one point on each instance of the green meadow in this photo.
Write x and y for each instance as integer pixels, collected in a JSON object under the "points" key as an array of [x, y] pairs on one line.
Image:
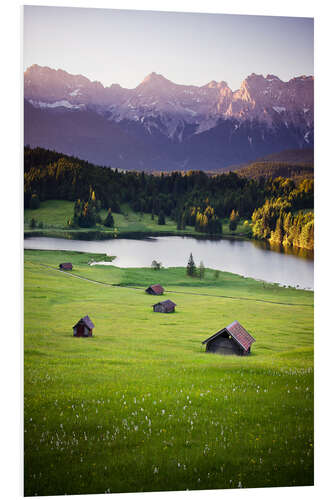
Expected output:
{"points": [[54, 214], [141, 406]]}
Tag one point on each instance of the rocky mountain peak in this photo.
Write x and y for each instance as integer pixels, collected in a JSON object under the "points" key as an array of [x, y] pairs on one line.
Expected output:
{"points": [[271, 78], [267, 99], [265, 114], [211, 85], [154, 79]]}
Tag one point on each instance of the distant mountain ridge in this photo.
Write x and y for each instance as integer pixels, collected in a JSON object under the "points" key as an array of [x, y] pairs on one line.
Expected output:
{"points": [[164, 125]]}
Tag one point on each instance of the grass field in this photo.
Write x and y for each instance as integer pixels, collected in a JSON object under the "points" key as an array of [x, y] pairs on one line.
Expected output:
{"points": [[54, 215], [140, 406]]}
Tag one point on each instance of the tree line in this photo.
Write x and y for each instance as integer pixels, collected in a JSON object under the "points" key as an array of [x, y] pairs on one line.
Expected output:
{"points": [[287, 221], [190, 198]]}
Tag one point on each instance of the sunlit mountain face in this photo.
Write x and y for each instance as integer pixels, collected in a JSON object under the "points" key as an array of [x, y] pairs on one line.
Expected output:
{"points": [[160, 125]]}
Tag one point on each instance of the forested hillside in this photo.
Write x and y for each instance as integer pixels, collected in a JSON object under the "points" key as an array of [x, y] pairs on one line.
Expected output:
{"points": [[272, 169], [192, 198]]}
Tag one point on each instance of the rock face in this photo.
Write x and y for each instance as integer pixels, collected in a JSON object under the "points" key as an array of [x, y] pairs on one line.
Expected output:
{"points": [[170, 121]]}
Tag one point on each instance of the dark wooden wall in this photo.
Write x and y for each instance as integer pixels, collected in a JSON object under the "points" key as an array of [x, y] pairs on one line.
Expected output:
{"points": [[226, 346], [162, 309], [82, 331]]}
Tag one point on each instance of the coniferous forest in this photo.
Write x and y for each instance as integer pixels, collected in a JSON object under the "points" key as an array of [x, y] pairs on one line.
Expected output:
{"points": [[280, 210]]}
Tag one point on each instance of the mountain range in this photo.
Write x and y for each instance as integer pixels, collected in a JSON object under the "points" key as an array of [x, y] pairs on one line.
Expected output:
{"points": [[161, 125]]}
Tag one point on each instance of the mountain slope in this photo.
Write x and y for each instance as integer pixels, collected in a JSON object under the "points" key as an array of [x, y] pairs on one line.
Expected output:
{"points": [[161, 125]]}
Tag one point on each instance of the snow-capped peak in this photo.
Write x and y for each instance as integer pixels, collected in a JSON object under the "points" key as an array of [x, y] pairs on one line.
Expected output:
{"points": [[258, 98]]}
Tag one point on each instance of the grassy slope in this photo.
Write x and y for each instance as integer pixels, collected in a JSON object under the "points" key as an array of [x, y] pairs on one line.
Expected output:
{"points": [[55, 213], [141, 406]]}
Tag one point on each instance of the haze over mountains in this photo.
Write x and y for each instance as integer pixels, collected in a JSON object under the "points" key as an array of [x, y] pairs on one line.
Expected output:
{"points": [[160, 125]]}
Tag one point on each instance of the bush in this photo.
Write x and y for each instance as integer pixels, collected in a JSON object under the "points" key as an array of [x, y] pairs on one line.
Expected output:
{"points": [[71, 222], [156, 265]]}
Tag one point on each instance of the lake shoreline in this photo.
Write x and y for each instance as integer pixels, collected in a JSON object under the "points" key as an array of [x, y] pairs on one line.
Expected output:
{"points": [[97, 235], [245, 258], [91, 235], [94, 260]]}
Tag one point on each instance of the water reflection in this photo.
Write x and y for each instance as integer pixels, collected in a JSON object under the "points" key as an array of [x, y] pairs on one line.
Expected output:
{"points": [[298, 252]]}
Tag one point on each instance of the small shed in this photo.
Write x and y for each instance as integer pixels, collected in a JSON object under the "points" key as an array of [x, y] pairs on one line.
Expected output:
{"points": [[167, 306], [233, 339], [83, 327], [67, 266], [155, 290]]}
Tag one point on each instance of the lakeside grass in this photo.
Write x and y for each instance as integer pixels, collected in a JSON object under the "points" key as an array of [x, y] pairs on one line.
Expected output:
{"points": [[54, 215], [140, 406]]}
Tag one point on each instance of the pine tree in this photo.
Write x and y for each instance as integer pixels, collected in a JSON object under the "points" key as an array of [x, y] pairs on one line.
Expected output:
{"points": [[109, 221], [306, 238], [277, 235], [234, 218], [86, 216], [161, 218], [287, 223], [179, 220], [183, 220], [191, 267]]}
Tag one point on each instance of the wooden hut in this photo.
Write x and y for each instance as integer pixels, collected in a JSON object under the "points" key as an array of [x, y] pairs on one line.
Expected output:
{"points": [[233, 339], [155, 290], [167, 306], [67, 266], [83, 327]]}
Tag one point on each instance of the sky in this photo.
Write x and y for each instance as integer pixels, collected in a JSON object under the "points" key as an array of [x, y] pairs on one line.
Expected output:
{"points": [[124, 46]]}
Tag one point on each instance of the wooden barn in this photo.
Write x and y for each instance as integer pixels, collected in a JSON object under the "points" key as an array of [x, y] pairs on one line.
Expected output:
{"points": [[67, 266], [233, 339], [155, 290], [83, 327], [167, 306]]}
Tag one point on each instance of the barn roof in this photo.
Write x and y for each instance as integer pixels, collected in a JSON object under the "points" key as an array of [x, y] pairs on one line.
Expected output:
{"points": [[156, 288], [237, 332], [168, 304], [87, 321]]}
